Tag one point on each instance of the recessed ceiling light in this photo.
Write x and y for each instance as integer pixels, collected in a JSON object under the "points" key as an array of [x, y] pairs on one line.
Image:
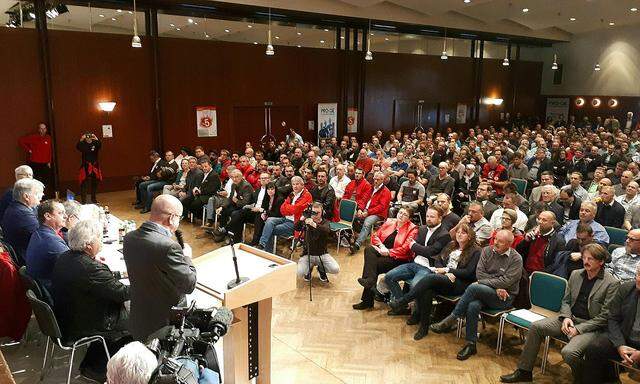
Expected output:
{"points": [[342, 37], [525, 10], [326, 30], [321, 41], [118, 10], [190, 21], [206, 35], [572, 19], [172, 25], [467, 1], [611, 23], [299, 33], [255, 43], [299, 46], [634, 9], [277, 37], [178, 29], [113, 18], [371, 33], [249, 26], [386, 39], [227, 30], [131, 12], [101, 15]]}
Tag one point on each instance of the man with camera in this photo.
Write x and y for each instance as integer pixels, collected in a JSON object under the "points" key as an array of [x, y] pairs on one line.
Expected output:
{"points": [[316, 236]]}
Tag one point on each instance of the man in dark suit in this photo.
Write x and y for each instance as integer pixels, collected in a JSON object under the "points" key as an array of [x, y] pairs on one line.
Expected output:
{"points": [[194, 178], [231, 215], [160, 271], [142, 182], [324, 194], [432, 238], [200, 194], [620, 341], [89, 299], [610, 213], [20, 220], [483, 195]]}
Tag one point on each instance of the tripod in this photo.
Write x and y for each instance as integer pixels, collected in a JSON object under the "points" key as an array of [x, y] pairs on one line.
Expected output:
{"points": [[305, 251]]}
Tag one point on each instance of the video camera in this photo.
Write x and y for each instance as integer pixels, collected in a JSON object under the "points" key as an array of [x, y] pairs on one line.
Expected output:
{"points": [[308, 211], [191, 335]]}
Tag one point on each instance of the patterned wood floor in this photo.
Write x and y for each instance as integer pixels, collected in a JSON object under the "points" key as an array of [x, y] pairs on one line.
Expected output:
{"points": [[326, 341]]}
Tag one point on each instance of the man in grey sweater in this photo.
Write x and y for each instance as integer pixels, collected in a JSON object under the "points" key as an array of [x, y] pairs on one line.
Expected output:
{"points": [[499, 271]]}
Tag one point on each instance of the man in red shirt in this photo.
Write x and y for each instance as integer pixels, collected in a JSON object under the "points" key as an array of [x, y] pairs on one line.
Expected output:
{"points": [[495, 174], [364, 162], [358, 189], [39, 149], [375, 209]]}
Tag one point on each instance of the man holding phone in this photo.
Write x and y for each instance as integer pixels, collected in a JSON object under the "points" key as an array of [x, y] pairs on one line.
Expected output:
{"points": [[90, 172]]}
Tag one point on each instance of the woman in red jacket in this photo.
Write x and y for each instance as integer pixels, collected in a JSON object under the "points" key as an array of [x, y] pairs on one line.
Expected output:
{"points": [[389, 248]]}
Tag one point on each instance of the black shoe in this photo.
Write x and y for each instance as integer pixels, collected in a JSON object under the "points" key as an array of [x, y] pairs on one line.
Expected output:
{"points": [[135, 202], [354, 248], [362, 305], [399, 312], [379, 297], [93, 375], [210, 231], [413, 320], [139, 206], [397, 306], [518, 376], [307, 277], [364, 282], [323, 275], [448, 324], [467, 351], [218, 238], [220, 231], [421, 333]]}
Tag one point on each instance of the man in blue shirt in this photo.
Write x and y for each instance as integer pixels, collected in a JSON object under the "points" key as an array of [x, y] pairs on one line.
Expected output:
{"points": [[587, 216], [46, 243], [22, 172], [19, 220]]}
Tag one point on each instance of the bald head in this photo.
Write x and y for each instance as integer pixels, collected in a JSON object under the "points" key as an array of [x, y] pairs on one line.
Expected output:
{"points": [[503, 241], [633, 241], [166, 210]]}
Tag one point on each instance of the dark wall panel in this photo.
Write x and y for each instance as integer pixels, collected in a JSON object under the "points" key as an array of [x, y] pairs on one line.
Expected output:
{"points": [[22, 95]]}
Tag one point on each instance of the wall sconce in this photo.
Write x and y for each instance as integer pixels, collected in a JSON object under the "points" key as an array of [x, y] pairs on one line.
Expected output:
{"points": [[595, 103], [612, 103], [107, 106], [580, 102], [493, 101]]}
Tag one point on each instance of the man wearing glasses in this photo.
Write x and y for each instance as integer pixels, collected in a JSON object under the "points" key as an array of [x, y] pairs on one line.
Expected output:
{"points": [[624, 260], [315, 254]]}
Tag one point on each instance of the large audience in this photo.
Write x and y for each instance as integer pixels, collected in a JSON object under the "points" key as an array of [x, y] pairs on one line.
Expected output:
{"points": [[468, 216]]}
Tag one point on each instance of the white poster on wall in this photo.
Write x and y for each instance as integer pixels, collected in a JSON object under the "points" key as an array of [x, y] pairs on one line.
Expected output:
{"points": [[352, 120], [206, 121], [107, 130], [558, 108], [327, 118], [461, 114]]}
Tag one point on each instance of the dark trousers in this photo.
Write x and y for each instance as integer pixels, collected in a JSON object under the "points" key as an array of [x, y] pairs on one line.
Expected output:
{"points": [[597, 368], [194, 204], [95, 358], [42, 173], [91, 181], [237, 219], [423, 292], [258, 226], [374, 265]]}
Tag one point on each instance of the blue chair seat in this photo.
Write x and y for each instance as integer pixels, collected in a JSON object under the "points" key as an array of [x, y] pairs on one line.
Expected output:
{"points": [[338, 226], [519, 321], [495, 312]]}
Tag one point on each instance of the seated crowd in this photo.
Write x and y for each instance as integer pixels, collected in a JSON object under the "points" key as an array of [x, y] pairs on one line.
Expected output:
{"points": [[469, 217]]}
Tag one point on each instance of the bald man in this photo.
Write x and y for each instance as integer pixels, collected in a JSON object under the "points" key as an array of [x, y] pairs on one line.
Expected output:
{"points": [[160, 270], [610, 213], [624, 260]]}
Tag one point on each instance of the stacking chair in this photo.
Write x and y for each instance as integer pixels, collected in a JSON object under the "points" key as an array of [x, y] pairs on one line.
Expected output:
{"points": [[347, 211], [453, 300], [12, 253], [546, 292], [521, 186], [49, 327], [616, 235]]}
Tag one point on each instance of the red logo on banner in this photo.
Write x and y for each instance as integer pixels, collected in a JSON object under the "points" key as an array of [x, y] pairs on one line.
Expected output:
{"points": [[206, 122]]}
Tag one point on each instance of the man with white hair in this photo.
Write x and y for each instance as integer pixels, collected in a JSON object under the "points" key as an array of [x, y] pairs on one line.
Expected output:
{"points": [[630, 196], [22, 172], [132, 364], [587, 215], [89, 299], [160, 270], [442, 182], [19, 220]]}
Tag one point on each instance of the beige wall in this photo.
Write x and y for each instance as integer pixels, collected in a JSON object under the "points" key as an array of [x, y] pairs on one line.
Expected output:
{"points": [[616, 49]]}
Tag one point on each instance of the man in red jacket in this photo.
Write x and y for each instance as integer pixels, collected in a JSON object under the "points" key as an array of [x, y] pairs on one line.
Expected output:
{"points": [[364, 162], [38, 147], [291, 211], [375, 209], [358, 189]]}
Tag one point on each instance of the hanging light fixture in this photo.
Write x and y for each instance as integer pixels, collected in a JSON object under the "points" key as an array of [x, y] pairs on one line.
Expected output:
{"points": [[597, 67], [554, 66], [505, 62], [444, 46], [270, 51], [369, 56], [136, 42]]}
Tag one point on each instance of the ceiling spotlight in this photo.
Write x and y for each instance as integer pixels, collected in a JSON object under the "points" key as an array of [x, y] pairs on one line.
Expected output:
{"points": [[195, 23], [277, 37], [597, 67], [119, 10], [467, 1], [136, 42], [371, 34], [190, 21], [505, 62], [101, 15], [172, 25], [572, 19], [299, 33], [368, 56], [206, 35], [269, 51], [612, 103], [130, 12], [634, 9], [444, 55], [525, 10], [386, 39], [249, 26], [596, 102], [227, 30], [611, 23], [255, 43], [178, 29], [299, 46], [444, 47], [580, 102], [114, 19], [321, 41], [554, 66]]}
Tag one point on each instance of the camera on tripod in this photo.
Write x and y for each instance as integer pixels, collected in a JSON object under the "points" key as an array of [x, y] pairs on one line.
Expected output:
{"points": [[308, 211]]}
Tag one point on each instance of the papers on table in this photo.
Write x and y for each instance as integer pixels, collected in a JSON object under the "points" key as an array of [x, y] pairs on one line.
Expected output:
{"points": [[527, 315]]}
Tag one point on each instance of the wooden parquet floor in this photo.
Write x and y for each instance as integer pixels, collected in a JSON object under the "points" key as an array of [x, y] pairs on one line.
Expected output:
{"points": [[325, 341]]}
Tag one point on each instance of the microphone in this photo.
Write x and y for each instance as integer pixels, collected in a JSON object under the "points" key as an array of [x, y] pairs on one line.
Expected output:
{"points": [[219, 324], [179, 238]]}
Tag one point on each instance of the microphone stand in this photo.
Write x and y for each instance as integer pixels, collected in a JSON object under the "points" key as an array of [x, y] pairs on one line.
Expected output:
{"points": [[238, 280]]}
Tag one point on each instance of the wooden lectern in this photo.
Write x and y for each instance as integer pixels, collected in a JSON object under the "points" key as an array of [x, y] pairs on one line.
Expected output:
{"points": [[247, 345]]}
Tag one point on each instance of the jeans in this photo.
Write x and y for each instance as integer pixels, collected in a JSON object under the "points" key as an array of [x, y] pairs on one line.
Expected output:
{"points": [[329, 263], [275, 226], [213, 203], [409, 271], [150, 189], [141, 188], [204, 375], [367, 225], [475, 298]]}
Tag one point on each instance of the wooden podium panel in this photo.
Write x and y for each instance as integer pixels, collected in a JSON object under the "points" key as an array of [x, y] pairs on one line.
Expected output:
{"points": [[247, 345]]}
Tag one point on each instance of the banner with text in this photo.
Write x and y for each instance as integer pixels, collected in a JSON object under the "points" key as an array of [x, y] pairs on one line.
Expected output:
{"points": [[558, 108], [206, 121], [327, 118]]}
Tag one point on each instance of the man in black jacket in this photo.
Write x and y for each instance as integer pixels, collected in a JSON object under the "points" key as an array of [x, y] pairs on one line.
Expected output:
{"points": [[88, 298], [201, 193], [194, 178], [620, 341], [240, 196], [541, 245], [283, 183], [324, 194], [315, 254], [610, 213], [142, 182]]}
